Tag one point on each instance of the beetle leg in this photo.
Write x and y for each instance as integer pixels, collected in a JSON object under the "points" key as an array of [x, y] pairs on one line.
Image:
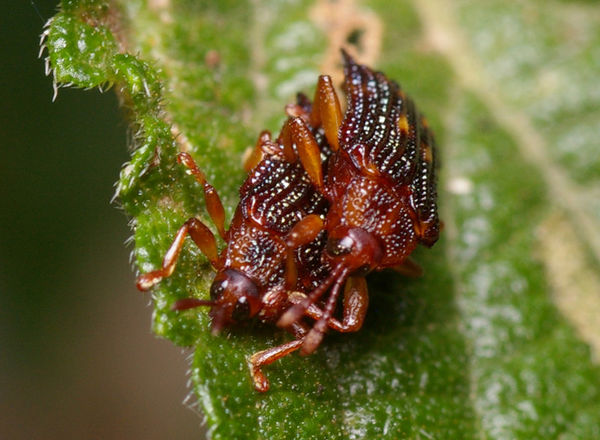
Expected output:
{"points": [[203, 238], [409, 268], [315, 335], [266, 357], [326, 111], [301, 109], [303, 232], [294, 313], [285, 139], [295, 111], [270, 355], [256, 154], [213, 201], [356, 302], [291, 269], [308, 150]]}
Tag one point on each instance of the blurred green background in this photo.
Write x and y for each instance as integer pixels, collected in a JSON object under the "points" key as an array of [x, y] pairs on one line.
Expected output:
{"points": [[77, 359]]}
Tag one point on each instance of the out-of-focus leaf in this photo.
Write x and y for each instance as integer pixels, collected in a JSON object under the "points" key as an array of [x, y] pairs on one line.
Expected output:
{"points": [[476, 348]]}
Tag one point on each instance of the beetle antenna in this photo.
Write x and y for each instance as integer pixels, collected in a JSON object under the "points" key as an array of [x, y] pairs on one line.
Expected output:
{"points": [[190, 303]]}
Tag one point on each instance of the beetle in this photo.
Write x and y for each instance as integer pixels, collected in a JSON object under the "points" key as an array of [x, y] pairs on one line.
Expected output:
{"points": [[381, 185], [266, 256]]}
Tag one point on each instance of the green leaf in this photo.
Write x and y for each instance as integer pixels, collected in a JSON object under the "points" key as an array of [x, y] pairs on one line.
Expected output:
{"points": [[499, 339]]}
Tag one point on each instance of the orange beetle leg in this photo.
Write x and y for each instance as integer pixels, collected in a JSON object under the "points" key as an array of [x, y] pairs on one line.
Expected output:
{"points": [[327, 111], [204, 239], [213, 201]]}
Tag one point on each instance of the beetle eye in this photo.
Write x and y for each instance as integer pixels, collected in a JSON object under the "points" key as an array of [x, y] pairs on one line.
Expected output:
{"points": [[241, 311], [216, 290], [337, 247]]}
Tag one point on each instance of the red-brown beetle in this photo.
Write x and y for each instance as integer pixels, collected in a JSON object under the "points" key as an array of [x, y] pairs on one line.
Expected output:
{"points": [[380, 183], [266, 257]]}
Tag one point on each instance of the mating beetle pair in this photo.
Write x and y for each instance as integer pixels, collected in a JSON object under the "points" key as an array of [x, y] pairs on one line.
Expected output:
{"points": [[333, 198]]}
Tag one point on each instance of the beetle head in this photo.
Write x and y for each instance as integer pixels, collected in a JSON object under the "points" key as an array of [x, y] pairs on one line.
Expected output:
{"points": [[235, 298], [354, 248]]}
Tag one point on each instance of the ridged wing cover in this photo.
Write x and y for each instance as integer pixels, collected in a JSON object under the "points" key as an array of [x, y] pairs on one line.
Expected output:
{"points": [[385, 136], [274, 197]]}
